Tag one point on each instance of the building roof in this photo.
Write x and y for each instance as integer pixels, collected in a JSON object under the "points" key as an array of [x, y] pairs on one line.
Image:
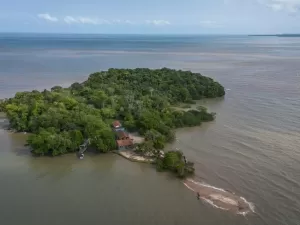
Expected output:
{"points": [[125, 143], [122, 134], [116, 124]]}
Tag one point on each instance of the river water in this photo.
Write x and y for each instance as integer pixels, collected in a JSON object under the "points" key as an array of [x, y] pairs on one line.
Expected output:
{"points": [[252, 149]]}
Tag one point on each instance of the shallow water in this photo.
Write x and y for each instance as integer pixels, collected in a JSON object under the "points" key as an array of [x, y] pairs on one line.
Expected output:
{"points": [[99, 189], [220, 198], [252, 149]]}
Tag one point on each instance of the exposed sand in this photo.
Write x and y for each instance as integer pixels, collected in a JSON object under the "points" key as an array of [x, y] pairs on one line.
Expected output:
{"points": [[137, 139], [220, 198], [131, 155], [216, 197]]}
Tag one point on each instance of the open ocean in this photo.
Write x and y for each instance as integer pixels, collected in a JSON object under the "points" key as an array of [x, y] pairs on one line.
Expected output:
{"points": [[252, 149]]}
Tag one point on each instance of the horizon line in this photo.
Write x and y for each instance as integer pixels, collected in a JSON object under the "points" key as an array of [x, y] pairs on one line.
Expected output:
{"points": [[76, 33]]}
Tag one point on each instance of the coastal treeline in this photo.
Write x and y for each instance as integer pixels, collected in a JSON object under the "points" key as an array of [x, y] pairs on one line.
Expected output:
{"points": [[175, 162], [60, 119]]}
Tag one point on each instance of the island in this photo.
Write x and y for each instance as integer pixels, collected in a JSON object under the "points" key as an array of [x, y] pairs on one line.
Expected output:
{"points": [[145, 101]]}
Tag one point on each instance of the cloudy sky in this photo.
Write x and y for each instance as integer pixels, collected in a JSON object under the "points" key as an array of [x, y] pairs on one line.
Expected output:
{"points": [[151, 16]]}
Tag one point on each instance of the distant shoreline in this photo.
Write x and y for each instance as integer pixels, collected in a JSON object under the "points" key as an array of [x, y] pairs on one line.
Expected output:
{"points": [[274, 35]]}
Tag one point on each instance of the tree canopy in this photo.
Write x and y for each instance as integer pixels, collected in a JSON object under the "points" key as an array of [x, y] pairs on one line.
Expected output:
{"points": [[175, 162], [59, 120]]}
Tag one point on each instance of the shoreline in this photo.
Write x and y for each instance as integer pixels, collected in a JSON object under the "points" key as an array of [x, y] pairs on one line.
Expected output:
{"points": [[216, 197], [134, 157], [131, 155]]}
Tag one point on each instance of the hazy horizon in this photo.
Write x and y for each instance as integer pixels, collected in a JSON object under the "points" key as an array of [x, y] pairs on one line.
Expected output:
{"points": [[151, 17], [178, 34]]}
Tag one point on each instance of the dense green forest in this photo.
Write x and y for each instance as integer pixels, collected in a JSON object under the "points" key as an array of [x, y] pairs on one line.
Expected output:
{"points": [[142, 99]]}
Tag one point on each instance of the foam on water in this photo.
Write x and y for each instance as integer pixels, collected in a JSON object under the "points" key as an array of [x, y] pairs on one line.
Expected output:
{"points": [[224, 199], [219, 197], [206, 185], [250, 204], [189, 187], [205, 199], [212, 203]]}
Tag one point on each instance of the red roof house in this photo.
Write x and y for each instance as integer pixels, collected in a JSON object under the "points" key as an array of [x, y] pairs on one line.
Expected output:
{"points": [[116, 124], [122, 135], [124, 144]]}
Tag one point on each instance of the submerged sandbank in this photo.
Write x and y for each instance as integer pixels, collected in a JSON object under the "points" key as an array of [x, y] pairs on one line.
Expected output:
{"points": [[220, 198]]}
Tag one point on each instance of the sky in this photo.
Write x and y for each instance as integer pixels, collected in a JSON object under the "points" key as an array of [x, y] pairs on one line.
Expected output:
{"points": [[151, 16]]}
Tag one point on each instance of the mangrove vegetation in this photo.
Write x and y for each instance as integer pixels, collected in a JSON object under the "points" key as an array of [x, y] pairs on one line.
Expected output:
{"points": [[60, 119]]}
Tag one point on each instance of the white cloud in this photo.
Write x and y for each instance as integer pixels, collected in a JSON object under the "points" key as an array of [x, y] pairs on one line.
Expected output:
{"points": [[117, 21], [84, 20], [47, 17], [282, 5], [87, 20], [70, 19], [158, 22], [98, 21], [93, 21], [122, 22], [129, 22]]}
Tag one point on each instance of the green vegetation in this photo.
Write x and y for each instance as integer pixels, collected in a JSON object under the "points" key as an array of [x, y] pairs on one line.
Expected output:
{"points": [[61, 119], [175, 161], [186, 106], [2, 105]]}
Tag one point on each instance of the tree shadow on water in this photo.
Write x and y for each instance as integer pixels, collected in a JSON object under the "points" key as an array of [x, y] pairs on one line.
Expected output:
{"points": [[22, 151]]}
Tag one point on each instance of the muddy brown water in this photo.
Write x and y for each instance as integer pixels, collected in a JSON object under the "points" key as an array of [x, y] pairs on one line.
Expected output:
{"points": [[251, 150]]}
